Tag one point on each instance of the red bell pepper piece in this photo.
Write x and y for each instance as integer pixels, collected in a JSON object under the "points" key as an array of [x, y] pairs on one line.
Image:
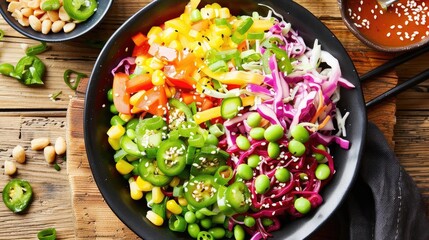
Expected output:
{"points": [[121, 98], [139, 82]]}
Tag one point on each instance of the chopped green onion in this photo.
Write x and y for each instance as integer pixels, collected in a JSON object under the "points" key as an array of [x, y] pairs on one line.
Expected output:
{"points": [[237, 37], [54, 96], [47, 234], [245, 26], [73, 83], [255, 36], [220, 65], [196, 15], [57, 167]]}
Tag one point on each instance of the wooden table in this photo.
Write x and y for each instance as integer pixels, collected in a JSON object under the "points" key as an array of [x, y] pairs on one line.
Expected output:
{"points": [[61, 197]]}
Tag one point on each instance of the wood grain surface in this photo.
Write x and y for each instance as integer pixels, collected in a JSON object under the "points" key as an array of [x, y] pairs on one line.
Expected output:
{"points": [[69, 200]]}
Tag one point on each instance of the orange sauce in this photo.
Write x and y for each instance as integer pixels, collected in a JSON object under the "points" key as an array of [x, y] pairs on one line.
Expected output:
{"points": [[403, 23]]}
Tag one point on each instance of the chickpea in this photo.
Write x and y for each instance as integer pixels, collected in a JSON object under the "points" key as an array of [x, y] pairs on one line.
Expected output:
{"points": [[9, 167], [18, 153]]}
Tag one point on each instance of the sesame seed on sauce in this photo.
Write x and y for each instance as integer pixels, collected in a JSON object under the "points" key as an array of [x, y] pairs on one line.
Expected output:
{"points": [[402, 24]]}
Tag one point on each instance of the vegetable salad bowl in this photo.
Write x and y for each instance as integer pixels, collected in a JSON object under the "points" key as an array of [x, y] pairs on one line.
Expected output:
{"points": [[115, 188]]}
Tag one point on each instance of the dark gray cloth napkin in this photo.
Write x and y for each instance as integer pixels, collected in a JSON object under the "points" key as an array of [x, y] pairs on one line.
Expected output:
{"points": [[384, 202]]}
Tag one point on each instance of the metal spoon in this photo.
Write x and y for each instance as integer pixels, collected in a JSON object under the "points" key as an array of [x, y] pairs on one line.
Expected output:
{"points": [[386, 3]]}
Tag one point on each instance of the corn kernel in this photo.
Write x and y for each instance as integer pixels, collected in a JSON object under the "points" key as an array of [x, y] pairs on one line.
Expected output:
{"points": [[195, 34], [154, 31], [158, 78], [144, 185], [173, 207], [208, 13], [186, 18], [199, 52], [135, 192], [116, 131], [136, 97], [140, 60], [114, 143], [154, 218], [222, 30], [168, 35], [125, 117], [157, 195], [174, 182], [178, 24], [176, 45], [215, 6], [182, 201], [124, 167], [224, 13], [216, 41], [155, 63]]}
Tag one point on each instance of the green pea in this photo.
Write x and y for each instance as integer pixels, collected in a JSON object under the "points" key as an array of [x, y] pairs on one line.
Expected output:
{"points": [[200, 215], [245, 171], [239, 233], [262, 184], [206, 223], [113, 109], [273, 133], [297, 148], [267, 222], [212, 140], [110, 95], [320, 157], [300, 133], [242, 143], [217, 232], [6, 69], [322, 171], [273, 150], [282, 174], [302, 205], [254, 120], [116, 120], [253, 160], [249, 221], [193, 230], [190, 217], [257, 133]]}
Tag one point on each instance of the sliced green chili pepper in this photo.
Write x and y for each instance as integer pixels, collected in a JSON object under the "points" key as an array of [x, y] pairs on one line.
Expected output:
{"points": [[186, 129], [130, 146], [238, 196], [177, 223], [37, 49], [155, 123], [47, 234], [149, 171], [6, 69], [160, 208], [200, 191], [223, 174], [171, 157], [182, 107], [80, 10], [222, 203], [196, 140], [17, 195], [73, 83], [207, 163], [29, 70], [204, 235]]}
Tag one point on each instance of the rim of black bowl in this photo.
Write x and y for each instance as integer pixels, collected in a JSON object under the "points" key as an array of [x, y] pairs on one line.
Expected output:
{"points": [[96, 122], [81, 28], [349, 24]]}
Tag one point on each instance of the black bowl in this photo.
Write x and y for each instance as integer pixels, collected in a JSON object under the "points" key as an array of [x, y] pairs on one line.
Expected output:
{"points": [[97, 116], [81, 28]]}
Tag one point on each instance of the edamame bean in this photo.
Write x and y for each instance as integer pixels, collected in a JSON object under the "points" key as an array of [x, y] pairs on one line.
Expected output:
{"points": [[253, 160], [193, 230], [206, 223], [217, 232], [262, 184], [302, 205], [190, 217], [239, 233], [113, 109], [273, 150], [254, 120], [242, 143], [245, 171], [320, 157], [6, 69], [273, 133], [297, 148], [110, 95], [249, 221], [300, 133], [257, 133], [267, 222], [282, 175], [322, 171]]}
